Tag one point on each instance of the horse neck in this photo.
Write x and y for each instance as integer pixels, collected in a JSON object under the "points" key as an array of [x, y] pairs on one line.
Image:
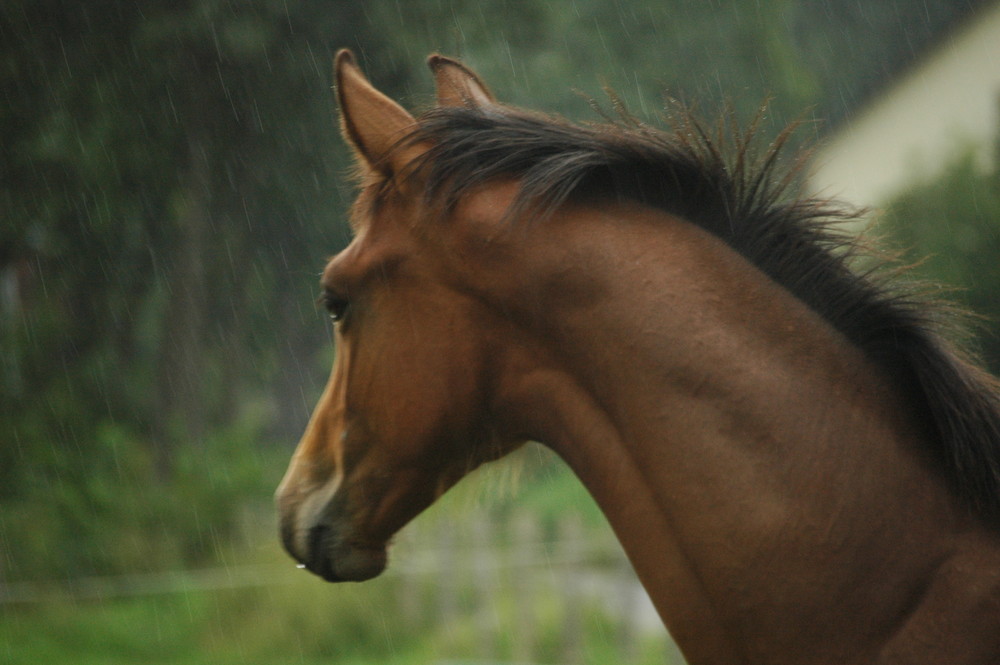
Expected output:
{"points": [[673, 336], [709, 412]]}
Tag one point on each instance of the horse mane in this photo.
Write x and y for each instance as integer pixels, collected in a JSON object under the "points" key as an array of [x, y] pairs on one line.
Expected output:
{"points": [[715, 182]]}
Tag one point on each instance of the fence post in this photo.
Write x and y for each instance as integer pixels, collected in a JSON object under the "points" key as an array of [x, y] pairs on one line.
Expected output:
{"points": [[522, 556], [412, 582], [447, 587], [630, 594], [484, 566], [570, 548]]}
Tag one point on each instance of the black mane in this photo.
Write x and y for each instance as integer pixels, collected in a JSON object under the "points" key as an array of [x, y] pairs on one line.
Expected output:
{"points": [[742, 201]]}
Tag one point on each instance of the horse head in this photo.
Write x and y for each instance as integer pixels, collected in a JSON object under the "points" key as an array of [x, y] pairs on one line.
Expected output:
{"points": [[410, 405]]}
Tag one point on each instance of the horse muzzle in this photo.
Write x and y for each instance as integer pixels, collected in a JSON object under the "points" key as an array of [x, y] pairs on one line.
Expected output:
{"points": [[317, 535], [335, 559]]}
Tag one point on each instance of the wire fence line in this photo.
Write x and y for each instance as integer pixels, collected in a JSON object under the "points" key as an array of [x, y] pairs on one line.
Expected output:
{"points": [[551, 579], [141, 584], [416, 562]]}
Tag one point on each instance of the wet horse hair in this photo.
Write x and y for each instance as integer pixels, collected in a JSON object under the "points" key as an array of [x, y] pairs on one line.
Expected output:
{"points": [[693, 173], [798, 464]]}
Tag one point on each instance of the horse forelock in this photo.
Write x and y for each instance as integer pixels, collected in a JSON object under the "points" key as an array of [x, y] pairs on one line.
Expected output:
{"points": [[713, 179]]}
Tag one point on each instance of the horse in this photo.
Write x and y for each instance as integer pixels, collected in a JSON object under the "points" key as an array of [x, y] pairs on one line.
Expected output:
{"points": [[799, 467]]}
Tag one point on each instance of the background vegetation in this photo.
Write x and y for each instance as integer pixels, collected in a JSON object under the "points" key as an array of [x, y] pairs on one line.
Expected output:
{"points": [[171, 185], [950, 227]]}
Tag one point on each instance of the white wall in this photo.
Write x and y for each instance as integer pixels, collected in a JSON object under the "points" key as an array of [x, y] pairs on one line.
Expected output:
{"points": [[945, 104]]}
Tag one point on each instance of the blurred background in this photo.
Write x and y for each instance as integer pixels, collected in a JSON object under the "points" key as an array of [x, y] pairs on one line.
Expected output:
{"points": [[172, 183]]}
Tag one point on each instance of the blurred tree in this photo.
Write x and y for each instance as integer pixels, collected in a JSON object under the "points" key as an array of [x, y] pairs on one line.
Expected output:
{"points": [[952, 225], [536, 54], [171, 186], [167, 170], [170, 179], [170, 169]]}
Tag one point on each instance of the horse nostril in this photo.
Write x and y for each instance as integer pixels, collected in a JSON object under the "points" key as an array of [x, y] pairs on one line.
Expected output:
{"points": [[318, 558], [317, 541]]}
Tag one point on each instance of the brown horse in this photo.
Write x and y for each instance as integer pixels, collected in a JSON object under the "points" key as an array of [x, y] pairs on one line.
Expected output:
{"points": [[799, 468]]}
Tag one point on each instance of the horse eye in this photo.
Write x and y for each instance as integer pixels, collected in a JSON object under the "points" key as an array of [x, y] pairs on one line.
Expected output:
{"points": [[336, 305]]}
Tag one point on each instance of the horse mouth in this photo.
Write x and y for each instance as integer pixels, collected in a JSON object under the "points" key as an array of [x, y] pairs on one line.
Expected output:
{"points": [[336, 559]]}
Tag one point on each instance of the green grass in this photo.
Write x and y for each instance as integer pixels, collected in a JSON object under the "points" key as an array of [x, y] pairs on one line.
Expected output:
{"points": [[291, 617]]}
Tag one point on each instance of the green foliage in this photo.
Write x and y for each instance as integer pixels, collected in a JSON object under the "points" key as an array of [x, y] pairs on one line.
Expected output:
{"points": [[163, 202], [535, 54], [172, 181], [949, 226], [293, 618], [102, 511]]}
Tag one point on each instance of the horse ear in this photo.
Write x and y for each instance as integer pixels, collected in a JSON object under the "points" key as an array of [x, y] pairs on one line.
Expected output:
{"points": [[371, 122], [457, 85]]}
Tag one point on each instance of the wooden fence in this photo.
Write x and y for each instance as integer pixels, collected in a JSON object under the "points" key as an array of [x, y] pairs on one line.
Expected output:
{"points": [[519, 590]]}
